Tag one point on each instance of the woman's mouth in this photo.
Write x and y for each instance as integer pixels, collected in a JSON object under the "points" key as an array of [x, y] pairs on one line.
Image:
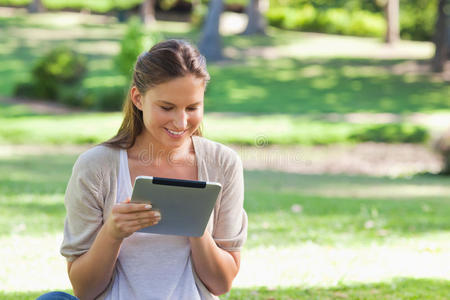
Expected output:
{"points": [[175, 134]]}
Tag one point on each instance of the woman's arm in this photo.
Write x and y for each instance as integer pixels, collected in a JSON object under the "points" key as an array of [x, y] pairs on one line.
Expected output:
{"points": [[91, 272], [215, 267]]}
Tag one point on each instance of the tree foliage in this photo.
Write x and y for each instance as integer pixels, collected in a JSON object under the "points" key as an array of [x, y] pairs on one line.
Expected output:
{"points": [[417, 17]]}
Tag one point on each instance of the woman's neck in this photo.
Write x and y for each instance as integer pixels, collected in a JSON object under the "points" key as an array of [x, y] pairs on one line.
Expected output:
{"points": [[149, 151]]}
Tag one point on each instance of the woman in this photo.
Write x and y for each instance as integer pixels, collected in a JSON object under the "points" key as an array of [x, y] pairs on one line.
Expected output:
{"points": [[160, 136]]}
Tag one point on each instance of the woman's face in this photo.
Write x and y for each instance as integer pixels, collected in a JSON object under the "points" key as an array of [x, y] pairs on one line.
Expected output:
{"points": [[173, 110]]}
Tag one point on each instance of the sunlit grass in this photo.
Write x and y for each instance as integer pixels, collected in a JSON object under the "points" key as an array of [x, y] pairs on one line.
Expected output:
{"points": [[400, 288], [311, 264], [60, 130], [18, 125], [306, 265], [32, 263]]}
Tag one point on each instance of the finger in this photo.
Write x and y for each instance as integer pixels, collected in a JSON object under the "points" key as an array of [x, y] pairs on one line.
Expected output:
{"points": [[127, 218], [148, 224], [132, 207], [145, 222], [128, 200], [137, 227], [133, 216]]}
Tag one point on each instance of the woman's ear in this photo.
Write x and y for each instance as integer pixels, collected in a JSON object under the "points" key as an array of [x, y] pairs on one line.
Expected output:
{"points": [[136, 97]]}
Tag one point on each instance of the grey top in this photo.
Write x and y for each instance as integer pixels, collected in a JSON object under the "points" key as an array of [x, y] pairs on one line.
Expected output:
{"points": [[92, 191], [160, 263]]}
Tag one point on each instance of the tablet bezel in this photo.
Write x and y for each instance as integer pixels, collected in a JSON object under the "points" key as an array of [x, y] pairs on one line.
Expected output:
{"points": [[185, 205]]}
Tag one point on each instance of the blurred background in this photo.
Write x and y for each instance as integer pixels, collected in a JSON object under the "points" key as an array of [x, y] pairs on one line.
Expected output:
{"points": [[340, 111]]}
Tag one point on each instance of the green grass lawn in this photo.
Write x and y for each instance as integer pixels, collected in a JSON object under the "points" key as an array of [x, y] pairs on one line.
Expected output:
{"points": [[284, 100], [20, 125], [34, 185], [402, 288], [319, 236], [310, 236], [284, 85], [337, 85], [398, 289]]}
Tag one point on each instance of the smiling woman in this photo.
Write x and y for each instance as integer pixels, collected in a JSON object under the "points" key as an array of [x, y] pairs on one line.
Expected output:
{"points": [[160, 136], [172, 111]]}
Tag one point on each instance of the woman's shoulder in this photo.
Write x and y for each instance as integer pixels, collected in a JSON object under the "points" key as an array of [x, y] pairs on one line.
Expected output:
{"points": [[216, 153], [99, 156]]}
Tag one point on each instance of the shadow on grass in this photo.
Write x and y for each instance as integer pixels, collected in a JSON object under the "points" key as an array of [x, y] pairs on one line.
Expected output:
{"points": [[322, 86], [37, 174], [283, 85], [400, 288]]}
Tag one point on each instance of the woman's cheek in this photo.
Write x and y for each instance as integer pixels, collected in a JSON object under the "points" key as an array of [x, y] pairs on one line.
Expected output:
{"points": [[197, 119], [159, 117]]}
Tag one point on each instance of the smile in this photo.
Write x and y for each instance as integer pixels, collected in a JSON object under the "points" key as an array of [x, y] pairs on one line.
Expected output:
{"points": [[175, 133]]}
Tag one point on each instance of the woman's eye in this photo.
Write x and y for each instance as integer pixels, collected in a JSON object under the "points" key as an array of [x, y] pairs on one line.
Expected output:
{"points": [[166, 108], [191, 108]]}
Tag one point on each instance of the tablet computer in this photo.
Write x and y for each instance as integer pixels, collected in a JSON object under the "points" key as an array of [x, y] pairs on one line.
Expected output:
{"points": [[185, 205]]}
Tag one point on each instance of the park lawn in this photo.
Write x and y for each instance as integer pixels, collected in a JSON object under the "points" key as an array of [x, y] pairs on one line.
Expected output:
{"points": [[332, 209], [320, 236], [246, 84], [20, 125], [335, 85], [403, 288]]}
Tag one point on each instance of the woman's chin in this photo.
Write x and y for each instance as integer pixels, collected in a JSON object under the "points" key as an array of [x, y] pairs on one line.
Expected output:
{"points": [[174, 142]]}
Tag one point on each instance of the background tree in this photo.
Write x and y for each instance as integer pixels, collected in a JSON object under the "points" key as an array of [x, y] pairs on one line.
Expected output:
{"points": [[36, 6], [210, 44], [392, 8], [148, 12], [440, 39], [195, 4], [256, 21]]}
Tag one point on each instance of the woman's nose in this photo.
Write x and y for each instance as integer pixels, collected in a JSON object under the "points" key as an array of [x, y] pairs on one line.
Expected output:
{"points": [[180, 121]]}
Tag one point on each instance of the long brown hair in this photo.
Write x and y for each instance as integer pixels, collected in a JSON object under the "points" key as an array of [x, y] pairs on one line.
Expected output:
{"points": [[165, 61]]}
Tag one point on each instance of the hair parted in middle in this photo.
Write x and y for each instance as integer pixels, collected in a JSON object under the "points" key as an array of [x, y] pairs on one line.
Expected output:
{"points": [[165, 61]]}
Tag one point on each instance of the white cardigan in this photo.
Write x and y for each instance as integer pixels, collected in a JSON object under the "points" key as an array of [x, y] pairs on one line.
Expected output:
{"points": [[91, 193]]}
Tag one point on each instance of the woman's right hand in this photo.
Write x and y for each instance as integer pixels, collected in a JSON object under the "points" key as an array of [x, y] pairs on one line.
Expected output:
{"points": [[127, 218]]}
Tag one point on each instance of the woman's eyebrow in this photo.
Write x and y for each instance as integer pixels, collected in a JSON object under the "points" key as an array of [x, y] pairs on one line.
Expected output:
{"points": [[166, 102], [170, 103]]}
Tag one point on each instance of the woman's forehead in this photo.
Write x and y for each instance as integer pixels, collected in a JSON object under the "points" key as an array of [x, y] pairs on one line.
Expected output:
{"points": [[178, 91]]}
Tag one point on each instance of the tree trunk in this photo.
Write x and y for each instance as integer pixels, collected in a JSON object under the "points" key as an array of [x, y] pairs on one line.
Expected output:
{"points": [[195, 4], [392, 20], [440, 39], [36, 6], [447, 23], [210, 44], [256, 21], [148, 12]]}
